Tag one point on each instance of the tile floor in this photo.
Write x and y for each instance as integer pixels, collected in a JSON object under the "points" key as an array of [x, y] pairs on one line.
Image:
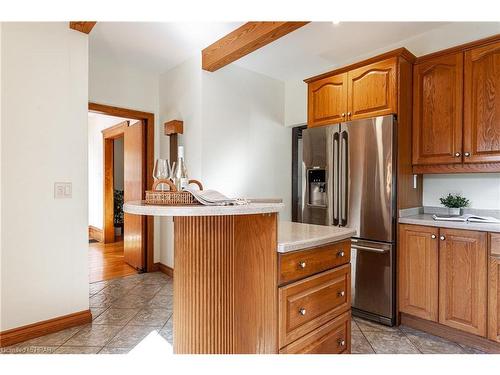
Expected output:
{"points": [[134, 314]]}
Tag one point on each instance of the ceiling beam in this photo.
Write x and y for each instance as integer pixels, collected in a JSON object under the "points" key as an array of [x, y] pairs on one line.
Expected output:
{"points": [[244, 40], [82, 26]]}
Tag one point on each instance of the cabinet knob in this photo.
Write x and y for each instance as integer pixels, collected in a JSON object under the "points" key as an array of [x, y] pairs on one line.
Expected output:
{"points": [[442, 238], [340, 254], [467, 154], [433, 236], [302, 311], [341, 342], [302, 264], [341, 293], [348, 113], [457, 154], [343, 114]]}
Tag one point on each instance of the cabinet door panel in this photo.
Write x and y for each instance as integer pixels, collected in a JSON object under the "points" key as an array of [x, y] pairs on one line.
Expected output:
{"points": [[372, 90], [418, 271], [494, 300], [437, 112], [327, 100], [463, 280], [482, 104]]}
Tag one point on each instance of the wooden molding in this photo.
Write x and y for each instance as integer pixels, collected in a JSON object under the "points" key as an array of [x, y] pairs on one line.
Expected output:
{"points": [[31, 331], [165, 269], [149, 121], [174, 127], [457, 168], [451, 334], [82, 26], [244, 40], [459, 48], [115, 131], [95, 233], [399, 52]]}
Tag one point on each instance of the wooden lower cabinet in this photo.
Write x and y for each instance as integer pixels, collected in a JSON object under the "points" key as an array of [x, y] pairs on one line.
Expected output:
{"points": [[463, 280], [333, 337], [418, 271], [494, 300], [314, 311]]}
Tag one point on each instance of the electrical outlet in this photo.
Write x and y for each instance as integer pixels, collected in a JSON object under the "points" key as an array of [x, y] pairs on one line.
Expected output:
{"points": [[62, 190]]}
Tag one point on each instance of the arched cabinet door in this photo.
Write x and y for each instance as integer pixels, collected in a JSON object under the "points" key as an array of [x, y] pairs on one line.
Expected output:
{"points": [[437, 110], [372, 90], [482, 104], [327, 100]]}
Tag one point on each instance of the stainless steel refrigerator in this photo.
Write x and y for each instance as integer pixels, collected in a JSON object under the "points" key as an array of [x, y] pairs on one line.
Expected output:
{"points": [[348, 180]]}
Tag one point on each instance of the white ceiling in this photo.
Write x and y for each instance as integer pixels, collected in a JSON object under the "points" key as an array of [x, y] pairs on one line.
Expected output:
{"points": [[155, 46], [310, 50]]}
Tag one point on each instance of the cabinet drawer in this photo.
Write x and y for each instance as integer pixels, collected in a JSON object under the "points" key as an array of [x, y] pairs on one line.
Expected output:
{"points": [[299, 264], [495, 244], [307, 304], [333, 337]]}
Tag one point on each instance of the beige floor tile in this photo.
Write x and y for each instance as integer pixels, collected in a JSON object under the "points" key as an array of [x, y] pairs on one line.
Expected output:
{"points": [[78, 350], [93, 335], [162, 301], [116, 317], [131, 301], [130, 336], [359, 344], [108, 350], [147, 290], [429, 344], [151, 317], [366, 325], [100, 300], [97, 311]]}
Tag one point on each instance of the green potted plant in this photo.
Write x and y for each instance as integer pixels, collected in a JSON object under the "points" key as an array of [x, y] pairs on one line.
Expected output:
{"points": [[455, 203], [118, 211]]}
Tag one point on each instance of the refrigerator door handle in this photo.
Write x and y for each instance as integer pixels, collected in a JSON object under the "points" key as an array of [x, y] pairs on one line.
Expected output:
{"points": [[336, 148], [344, 178]]}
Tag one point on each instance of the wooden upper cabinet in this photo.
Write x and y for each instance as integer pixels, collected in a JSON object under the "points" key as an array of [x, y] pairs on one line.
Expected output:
{"points": [[482, 104], [437, 110], [463, 280], [372, 90], [327, 100], [418, 271]]}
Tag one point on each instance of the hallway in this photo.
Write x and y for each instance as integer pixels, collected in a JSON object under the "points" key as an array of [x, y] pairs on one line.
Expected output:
{"points": [[106, 261]]}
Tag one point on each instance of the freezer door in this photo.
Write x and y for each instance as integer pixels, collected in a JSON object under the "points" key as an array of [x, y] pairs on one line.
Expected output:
{"points": [[367, 180], [372, 279], [317, 175]]}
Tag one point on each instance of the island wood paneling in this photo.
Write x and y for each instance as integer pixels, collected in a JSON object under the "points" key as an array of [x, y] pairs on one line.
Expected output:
{"points": [[225, 287]]}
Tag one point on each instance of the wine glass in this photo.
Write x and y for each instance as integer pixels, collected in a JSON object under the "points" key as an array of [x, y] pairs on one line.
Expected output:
{"points": [[162, 170]]}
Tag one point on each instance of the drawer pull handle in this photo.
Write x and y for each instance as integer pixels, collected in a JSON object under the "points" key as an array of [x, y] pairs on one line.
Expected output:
{"points": [[340, 254], [341, 294], [302, 264], [341, 342], [302, 311], [442, 238], [433, 236]]}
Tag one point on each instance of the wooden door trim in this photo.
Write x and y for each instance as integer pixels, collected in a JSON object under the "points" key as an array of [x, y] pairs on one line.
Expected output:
{"points": [[149, 123], [82, 26]]}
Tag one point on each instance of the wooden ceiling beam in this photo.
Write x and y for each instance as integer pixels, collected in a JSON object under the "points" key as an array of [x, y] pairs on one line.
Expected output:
{"points": [[82, 26], [244, 40]]}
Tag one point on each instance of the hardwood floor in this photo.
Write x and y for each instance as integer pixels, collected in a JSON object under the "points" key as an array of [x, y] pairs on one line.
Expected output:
{"points": [[106, 261]]}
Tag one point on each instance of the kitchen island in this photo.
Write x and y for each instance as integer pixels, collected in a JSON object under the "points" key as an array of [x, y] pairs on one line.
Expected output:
{"points": [[230, 283]]}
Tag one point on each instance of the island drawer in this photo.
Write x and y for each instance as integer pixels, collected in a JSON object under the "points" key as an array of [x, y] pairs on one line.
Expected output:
{"points": [[308, 304], [303, 263], [333, 337]]}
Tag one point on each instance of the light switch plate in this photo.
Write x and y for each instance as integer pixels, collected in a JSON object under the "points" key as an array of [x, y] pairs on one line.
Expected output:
{"points": [[62, 190]]}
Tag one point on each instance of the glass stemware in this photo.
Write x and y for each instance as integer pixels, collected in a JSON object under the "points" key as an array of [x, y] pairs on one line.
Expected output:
{"points": [[162, 171]]}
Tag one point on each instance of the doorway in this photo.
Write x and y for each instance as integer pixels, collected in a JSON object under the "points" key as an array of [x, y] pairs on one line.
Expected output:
{"points": [[123, 244]]}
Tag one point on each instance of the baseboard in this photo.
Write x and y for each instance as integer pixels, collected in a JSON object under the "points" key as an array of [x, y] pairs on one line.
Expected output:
{"points": [[31, 331], [95, 233], [165, 269], [451, 334]]}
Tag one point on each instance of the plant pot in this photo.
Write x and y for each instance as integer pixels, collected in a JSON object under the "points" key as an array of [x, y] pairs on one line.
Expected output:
{"points": [[454, 211]]}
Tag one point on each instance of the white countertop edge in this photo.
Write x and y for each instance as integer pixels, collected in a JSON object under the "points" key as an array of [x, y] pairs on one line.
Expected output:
{"points": [[307, 239], [140, 208], [427, 220]]}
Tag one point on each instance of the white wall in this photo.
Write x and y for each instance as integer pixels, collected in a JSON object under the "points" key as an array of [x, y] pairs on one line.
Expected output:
{"points": [[96, 124], [44, 80], [483, 190], [113, 83], [234, 133], [295, 103]]}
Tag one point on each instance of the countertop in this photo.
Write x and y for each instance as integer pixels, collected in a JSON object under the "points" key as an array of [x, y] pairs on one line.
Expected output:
{"points": [[297, 236], [140, 208], [426, 219]]}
